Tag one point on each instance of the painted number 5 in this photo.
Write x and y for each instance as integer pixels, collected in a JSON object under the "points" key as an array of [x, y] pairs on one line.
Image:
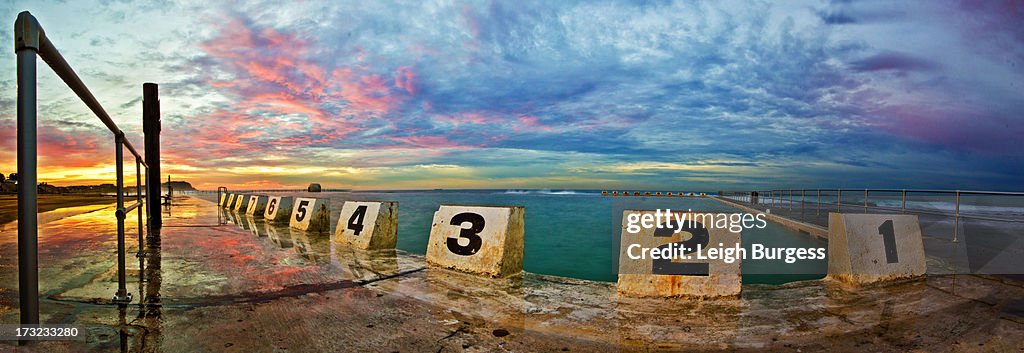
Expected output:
{"points": [[476, 224], [300, 212]]}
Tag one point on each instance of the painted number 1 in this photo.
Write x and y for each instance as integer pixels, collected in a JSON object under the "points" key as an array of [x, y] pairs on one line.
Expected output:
{"points": [[476, 224], [889, 240]]}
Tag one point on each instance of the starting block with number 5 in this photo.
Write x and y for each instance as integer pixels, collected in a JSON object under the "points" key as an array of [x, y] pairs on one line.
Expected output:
{"points": [[310, 214], [478, 239], [368, 225], [871, 248]]}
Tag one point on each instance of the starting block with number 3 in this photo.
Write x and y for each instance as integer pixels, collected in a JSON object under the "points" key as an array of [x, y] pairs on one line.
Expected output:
{"points": [[368, 225], [478, 239]]}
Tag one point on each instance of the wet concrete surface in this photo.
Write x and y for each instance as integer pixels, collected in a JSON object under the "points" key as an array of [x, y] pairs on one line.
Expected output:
{"points": [[216, 282]]}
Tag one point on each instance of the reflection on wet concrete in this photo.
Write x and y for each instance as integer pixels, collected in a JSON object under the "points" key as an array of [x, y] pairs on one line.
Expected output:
{"points": [[203, 286]]}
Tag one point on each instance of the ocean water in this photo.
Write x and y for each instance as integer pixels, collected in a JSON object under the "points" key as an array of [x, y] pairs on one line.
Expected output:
{"points": [[575, 233]]}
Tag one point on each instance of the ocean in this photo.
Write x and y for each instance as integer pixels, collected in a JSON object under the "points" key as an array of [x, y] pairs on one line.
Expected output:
{"points": [[575, 233]]}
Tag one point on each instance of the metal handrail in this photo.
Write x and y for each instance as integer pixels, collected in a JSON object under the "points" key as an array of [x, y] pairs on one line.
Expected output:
{"points": [[771, 194], [31, 41]]}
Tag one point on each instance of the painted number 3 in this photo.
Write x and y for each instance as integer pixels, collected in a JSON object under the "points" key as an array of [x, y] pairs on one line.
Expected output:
{"points": [[476, 224]]}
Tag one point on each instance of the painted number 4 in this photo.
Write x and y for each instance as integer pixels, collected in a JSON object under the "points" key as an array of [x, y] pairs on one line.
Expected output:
{"points": [[355, 223]]}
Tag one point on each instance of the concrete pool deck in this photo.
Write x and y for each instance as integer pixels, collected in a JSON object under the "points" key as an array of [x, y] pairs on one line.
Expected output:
{"points": [[251, 287]]}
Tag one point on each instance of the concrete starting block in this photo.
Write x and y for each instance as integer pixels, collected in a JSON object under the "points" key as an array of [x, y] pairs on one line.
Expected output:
{"points": [[368, 225], [242, 204], [224, 198], [310, 214], [478, 239], [689, 277], [257, 206], [278, 208], [871, 248], [230, 201]]}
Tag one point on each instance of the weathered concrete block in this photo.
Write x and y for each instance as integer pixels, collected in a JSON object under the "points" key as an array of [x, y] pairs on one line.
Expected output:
{"points": [[691, 277], [369, 225], [241, 202], [310, 214], [279, 208], [257, 206], [478, 239], [871, 248]]}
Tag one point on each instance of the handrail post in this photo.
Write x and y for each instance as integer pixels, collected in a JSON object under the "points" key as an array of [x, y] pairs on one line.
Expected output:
{"points": [[904, 207], [956, 218], [122, 295], [865, 200], [151, 129], [839, 199], [138, 199], [27, 34]]}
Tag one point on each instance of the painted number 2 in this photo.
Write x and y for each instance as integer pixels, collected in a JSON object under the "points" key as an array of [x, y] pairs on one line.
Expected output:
{"points": [[355, 223], [700, 237], [476, 224], [300, 213], [889, 240]]}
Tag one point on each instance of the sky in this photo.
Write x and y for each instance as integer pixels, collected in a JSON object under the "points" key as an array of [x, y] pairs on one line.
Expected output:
{"points": [[717, 95]]}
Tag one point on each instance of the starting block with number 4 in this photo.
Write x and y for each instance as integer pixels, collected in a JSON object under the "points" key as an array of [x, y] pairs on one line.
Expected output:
{"points": [[368, 225]]}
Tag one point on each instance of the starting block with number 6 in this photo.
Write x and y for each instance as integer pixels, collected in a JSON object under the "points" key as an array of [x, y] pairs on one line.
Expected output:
{"points": [[278, 208], [368, 225], [689, 276], [478, 239], [871, 248], [310, 214]]}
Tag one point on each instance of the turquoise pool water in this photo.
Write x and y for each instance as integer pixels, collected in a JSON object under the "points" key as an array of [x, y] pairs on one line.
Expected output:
{"points": [[574, 233]]}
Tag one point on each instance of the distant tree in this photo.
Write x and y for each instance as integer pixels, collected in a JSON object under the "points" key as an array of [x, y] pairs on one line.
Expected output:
{"points": [[13, 177], [2, 178]]}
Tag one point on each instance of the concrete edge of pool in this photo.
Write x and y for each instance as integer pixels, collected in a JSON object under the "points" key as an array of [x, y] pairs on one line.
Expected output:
{"points": [[224, 288]]}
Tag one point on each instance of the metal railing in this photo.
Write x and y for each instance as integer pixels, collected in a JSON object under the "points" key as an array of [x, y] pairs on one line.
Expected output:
{"points": [[30, 41], [777, 196]]}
